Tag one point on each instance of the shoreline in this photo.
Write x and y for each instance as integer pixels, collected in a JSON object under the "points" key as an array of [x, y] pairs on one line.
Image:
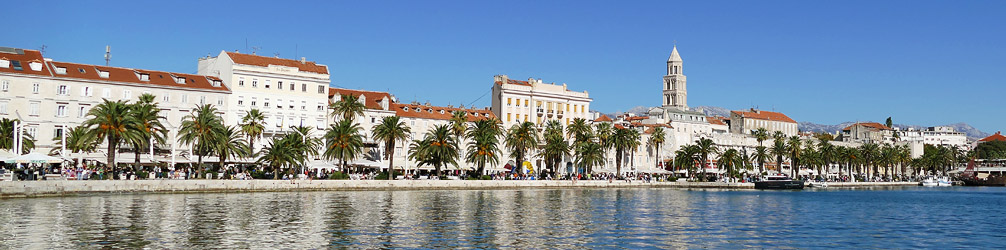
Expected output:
{"points": [[56, 188]]}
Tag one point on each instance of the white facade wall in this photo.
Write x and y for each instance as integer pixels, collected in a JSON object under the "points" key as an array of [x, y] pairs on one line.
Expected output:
{"points": [[537, 103]]}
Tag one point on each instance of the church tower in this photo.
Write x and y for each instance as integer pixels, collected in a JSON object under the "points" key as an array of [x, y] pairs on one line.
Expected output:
{"points": [[675, 91]]}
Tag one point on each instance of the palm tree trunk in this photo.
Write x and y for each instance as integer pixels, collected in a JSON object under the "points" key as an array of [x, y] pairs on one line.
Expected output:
{"points": [[200, 166], [111, 155], [391, 161], [136, 152], [618, 163]]}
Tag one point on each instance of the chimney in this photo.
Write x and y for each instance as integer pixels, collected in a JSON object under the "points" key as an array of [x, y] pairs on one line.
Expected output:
{"points": [[303, 60]]}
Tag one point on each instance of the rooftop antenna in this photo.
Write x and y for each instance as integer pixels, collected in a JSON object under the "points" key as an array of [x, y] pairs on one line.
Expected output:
{"points": [[275, 54], [42, 49], [255, 49], [108, 54]]}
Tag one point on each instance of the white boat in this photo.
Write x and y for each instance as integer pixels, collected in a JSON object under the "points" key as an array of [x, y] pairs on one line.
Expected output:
{"points": [[933, 181], [944, 181], [817, 184]]}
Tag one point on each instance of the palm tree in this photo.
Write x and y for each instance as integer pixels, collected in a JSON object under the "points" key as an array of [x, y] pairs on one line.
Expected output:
{"points": [[150, 129], [623, 140], [760, 134], [111, 121], [556, 146], [344, 142], [230, 144], [580, 131], [778, 149], [793, 146], [589, 154], [437, 148], [760, 155], [483, 143], [705, 147], [828, 153], [520, 139], [277, 154], [200, 129], [305, 145], [391, 130], [77, 141], [7, 137], [253, 125], [728, 159], [869, 152], [604, 132], [686, 157], [348, 107], [458, 121], [657, 138]]}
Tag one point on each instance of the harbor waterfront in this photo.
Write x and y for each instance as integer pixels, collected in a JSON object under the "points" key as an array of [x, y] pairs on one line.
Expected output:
{"points": [[597, 218], [62, 188]]}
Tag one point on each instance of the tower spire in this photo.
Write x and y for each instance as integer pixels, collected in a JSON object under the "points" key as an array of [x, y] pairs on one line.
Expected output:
{"points": [[675, 57]]}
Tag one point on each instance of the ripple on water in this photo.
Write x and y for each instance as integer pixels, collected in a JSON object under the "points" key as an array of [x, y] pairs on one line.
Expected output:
{"points": [[563, 218]]}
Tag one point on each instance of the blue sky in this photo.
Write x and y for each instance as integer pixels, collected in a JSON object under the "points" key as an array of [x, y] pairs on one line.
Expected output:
{"points": [[922, 62]]}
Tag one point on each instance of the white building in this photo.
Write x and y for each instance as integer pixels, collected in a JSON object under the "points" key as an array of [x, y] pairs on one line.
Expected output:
{"points": [[743, 122], [940, 135], [516, 101], [50, 95], [289, 92]]}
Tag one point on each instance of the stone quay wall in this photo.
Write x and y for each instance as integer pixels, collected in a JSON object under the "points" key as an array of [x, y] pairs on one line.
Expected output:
{"points": [[11, 189]]}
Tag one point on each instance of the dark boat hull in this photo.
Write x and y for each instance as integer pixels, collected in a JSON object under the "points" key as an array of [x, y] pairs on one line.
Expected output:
{"points": [[779, 184], [990, 181]]}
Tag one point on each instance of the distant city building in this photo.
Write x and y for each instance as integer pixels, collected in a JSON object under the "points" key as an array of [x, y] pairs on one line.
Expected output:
{"points": [[289, 92], [946, 136], [49, 96], [516, 101], [743, 122], [994, 137], [866, 132]]}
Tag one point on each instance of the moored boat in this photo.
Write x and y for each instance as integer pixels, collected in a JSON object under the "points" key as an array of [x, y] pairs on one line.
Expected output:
{"points": [[972, 176], [778, 182]]}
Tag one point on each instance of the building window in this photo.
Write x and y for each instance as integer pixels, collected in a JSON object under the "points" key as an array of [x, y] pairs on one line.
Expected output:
{"points": [[61, 110], [5, 85], [63, 90], [185, 98], [525, 103], [202, 100], [279, 103], [34, 88], [291, 104], [33, 108], [3, 108], [165, 98], [267, 83], [303, 87], [254, 83], [279, 85], [241, 81], [253, 103], [106, 93], [508, 101], [321, 107], [126, 94], [265, 103], [81, 111], [85, 91], [293, 86], [321, 89], [303, 105], [508, 117], [241, 100]]}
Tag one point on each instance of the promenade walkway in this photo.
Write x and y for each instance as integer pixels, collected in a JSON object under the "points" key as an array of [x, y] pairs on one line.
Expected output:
{"points": [[10, 189]]}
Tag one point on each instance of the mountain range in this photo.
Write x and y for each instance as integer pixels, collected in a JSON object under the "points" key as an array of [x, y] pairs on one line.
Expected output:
{"points": [[971, 132]]}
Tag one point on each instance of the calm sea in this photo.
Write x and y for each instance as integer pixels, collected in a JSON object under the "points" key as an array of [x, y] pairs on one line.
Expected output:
{"points": [[910, 217]]}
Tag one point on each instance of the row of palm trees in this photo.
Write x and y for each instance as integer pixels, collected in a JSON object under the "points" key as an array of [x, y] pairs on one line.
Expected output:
{"points": [[869, 159]]}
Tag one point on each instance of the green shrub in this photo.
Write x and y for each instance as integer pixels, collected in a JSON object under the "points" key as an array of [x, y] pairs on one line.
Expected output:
{"points": [[338, 176], [381, 176], [487, 177], [142, 175]]}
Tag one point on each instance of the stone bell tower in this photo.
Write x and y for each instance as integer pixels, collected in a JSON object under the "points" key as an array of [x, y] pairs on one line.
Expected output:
{"points": [[675, 90]]}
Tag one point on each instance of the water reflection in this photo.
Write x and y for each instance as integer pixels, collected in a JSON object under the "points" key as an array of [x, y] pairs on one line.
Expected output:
{"points": [[563, 218]]}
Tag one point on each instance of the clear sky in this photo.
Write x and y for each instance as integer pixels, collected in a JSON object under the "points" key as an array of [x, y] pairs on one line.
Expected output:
{"points": [[922, 62]]}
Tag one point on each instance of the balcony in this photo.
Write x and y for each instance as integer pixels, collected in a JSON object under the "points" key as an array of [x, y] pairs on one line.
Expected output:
{"points": [[551, 113]]}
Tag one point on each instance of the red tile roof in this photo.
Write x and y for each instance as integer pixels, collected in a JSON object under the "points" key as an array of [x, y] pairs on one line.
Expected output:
{"points": [[995, 137], [603, 118], [764, 115], [24, 59], [373, 98], [716, 120], [873, 125], [423, 111], [265, 61], [636, 118], [127, 75]]}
